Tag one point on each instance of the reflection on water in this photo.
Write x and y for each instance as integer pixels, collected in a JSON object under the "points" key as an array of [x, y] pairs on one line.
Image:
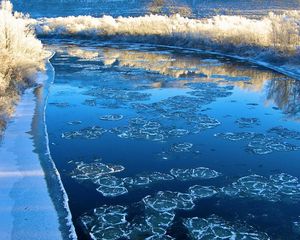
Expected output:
{"points": [[187, 68], [286, 95], [161, 143], [283, 92]]}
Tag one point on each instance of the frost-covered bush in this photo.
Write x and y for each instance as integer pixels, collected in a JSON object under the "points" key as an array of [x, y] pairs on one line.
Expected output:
{"points": [[285, 30], [21, 56], [273, 35], [21, 53]]}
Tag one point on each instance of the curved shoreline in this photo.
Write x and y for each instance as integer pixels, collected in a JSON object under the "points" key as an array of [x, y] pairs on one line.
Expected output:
{"points": [[65, 216], [281, 70], [286, 69], [267, 65]]}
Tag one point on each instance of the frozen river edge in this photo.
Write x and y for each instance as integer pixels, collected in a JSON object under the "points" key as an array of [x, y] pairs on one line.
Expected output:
{"points": [[34, 204]]}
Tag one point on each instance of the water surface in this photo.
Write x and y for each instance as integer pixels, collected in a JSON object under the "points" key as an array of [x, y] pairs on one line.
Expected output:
{"points": [[117, 114]]}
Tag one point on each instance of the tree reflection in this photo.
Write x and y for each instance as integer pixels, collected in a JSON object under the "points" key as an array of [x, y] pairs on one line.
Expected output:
{"points": [[286, 95], [283, 91]]}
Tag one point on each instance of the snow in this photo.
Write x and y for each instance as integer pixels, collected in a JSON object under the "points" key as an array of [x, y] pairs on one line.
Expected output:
{"points": [[27, 211], [26, 207]]}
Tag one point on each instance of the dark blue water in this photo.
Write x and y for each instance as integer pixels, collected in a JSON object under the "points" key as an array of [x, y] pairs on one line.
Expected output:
{"points": [[58, 8], [138, 109]]}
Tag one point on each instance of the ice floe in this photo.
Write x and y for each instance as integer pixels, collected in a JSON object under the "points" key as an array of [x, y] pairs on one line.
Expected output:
{"points": [[111, 186], [147, 179], [209, 90], [265, 145], [178, 132], [215, 228], [259, 143], [182, 108], [182, 147], [137, 180], [237, 136], [247, 122], [158, 176], [117, 94], [166, 201], [285, 133], [93, 171], [100, 174], [159, 222], [199, 192], [194, 173], [278, 187], [111, 223], [206, 122], [111, 117], [140, 128], [106, 222], [93, 132]]}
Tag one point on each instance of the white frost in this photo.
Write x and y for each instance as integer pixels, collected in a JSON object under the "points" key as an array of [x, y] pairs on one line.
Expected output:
{"points": [[273, 31], [21, 53]]}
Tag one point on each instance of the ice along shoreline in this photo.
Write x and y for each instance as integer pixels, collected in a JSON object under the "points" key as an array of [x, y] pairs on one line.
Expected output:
{"points": [[34, 204]]}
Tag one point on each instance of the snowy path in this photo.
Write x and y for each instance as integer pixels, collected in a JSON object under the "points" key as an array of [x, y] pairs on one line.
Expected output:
{"points": [[26, 209]]}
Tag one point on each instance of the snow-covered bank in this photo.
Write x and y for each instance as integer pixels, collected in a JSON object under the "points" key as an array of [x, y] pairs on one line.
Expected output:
{"points": [[33, 202], [273, 40]]}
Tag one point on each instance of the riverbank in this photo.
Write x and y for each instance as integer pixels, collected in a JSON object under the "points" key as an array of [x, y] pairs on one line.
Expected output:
{"points": [[27, 207]]}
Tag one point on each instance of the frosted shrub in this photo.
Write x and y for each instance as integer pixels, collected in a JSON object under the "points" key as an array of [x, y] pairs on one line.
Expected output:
{"points": [[273, 34], [285, 31], [21, 54]]}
